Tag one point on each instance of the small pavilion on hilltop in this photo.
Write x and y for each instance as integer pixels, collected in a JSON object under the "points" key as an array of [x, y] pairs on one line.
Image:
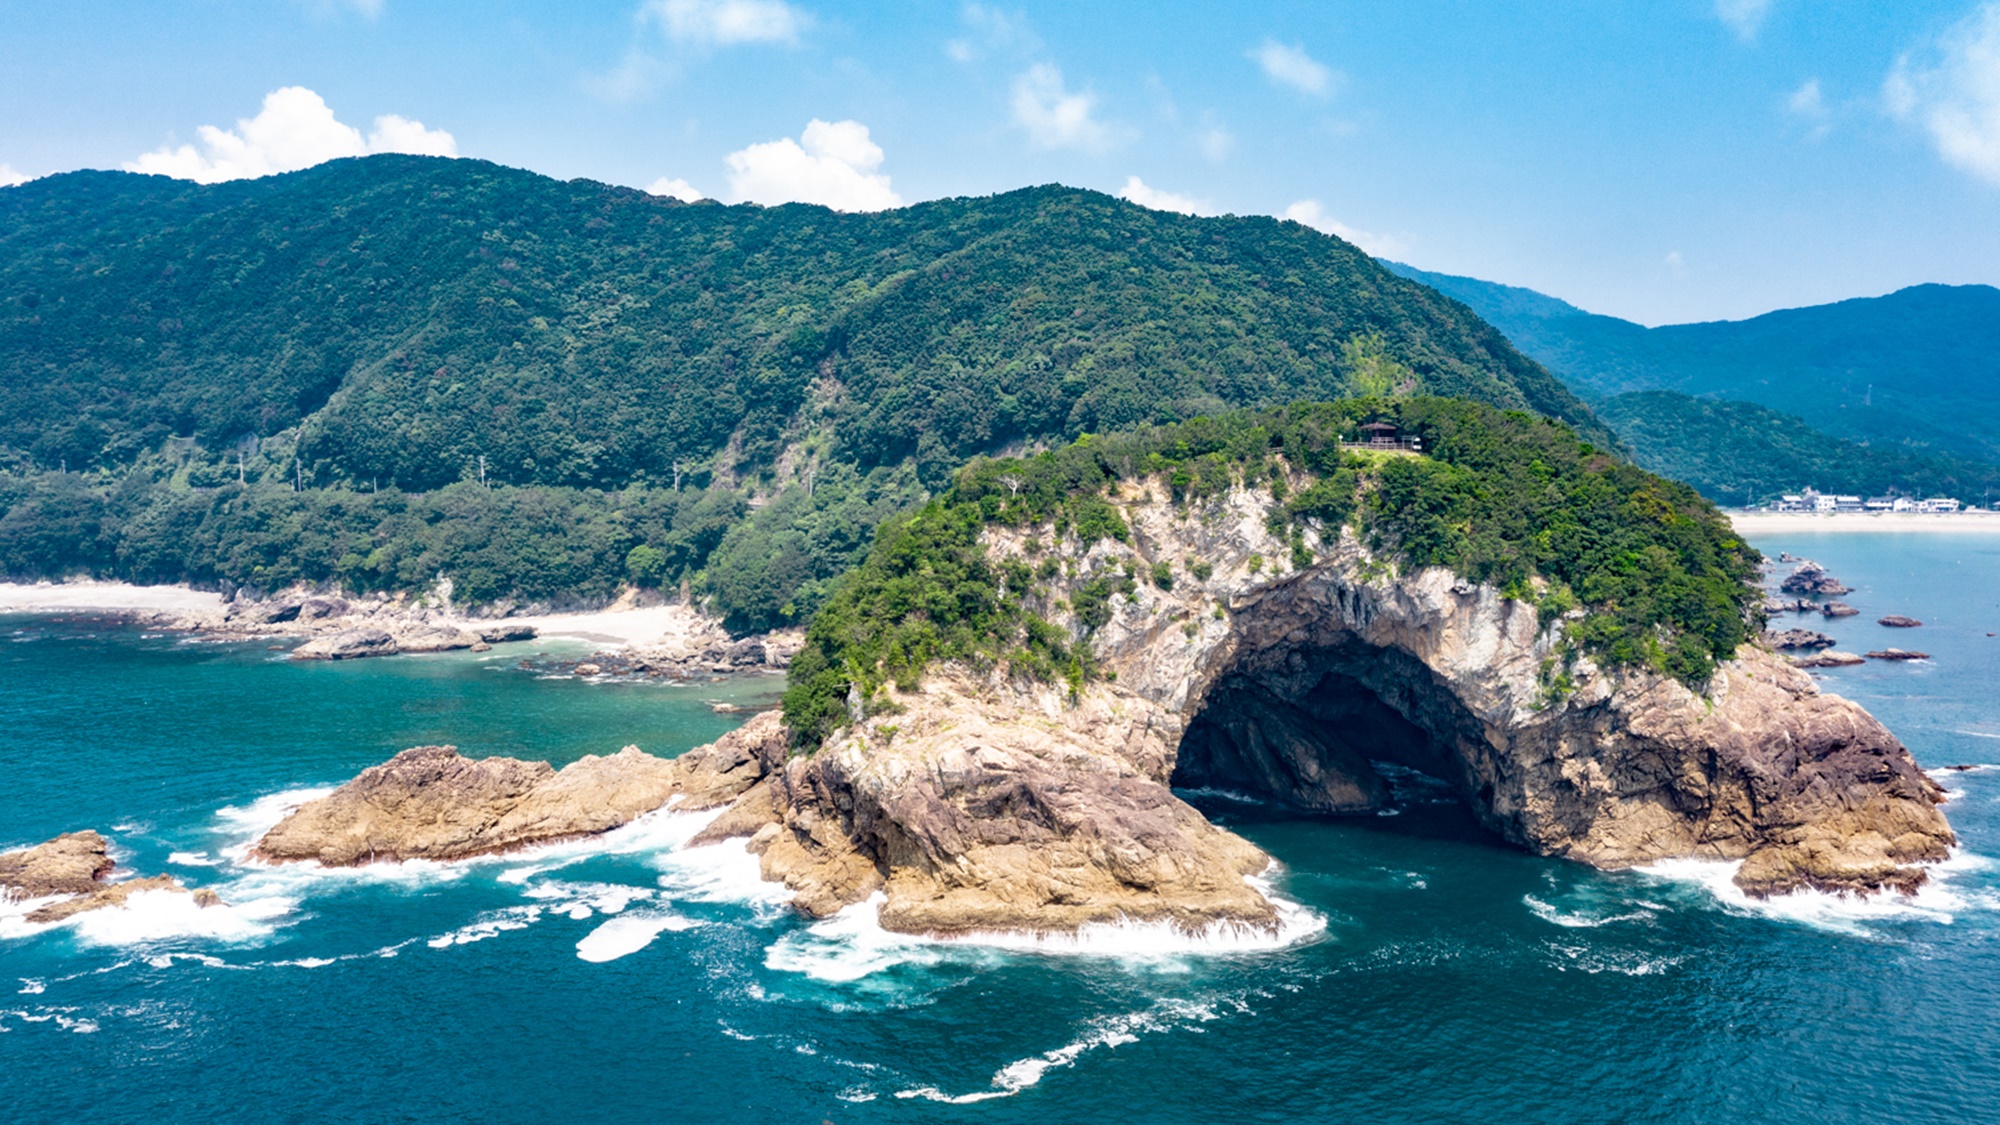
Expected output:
{"points": [[1385, 435]]}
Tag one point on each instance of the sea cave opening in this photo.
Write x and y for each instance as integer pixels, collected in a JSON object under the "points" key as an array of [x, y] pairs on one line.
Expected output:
{"points": [[1342, 728]]}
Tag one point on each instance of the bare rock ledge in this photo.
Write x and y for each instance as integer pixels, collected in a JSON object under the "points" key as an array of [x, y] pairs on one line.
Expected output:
{"points": [[75, 866]]}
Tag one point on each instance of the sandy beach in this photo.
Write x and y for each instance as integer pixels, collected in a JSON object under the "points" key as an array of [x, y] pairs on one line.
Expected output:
{"points": [[116, 597], [1774, 523], [620, 624]]}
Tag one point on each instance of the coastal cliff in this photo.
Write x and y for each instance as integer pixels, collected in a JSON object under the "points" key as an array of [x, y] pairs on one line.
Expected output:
{"points": [[987, 722]]}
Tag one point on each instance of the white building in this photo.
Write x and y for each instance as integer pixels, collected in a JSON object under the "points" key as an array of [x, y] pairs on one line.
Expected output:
{"points": [[1938, 504]]}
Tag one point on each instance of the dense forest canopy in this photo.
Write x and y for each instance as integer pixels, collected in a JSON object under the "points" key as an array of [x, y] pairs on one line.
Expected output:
{"points": [[187, 371], [1505, 497], [1739, 452]]}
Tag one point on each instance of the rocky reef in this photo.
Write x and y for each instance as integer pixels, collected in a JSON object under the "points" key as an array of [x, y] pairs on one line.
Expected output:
{"points": [[430, 802], [74, 869]]}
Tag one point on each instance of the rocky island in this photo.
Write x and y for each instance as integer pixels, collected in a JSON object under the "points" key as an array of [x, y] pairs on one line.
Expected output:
{"points": [[988, 718], [73, 871]]}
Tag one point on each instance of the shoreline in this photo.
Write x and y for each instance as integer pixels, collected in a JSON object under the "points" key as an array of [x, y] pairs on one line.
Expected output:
{"points": [[1772, 523], [669, 631]]}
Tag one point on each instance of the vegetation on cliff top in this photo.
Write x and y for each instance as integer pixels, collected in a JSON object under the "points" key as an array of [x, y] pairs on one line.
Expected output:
{"points": [[1501, 496], [399, 325]]}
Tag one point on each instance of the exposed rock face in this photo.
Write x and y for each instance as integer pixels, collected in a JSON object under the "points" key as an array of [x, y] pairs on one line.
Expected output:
{"points": [[1838, 609], [1798, 639], [348, 644], [1897, 621], [1812, 579], [1828, 659], [984, 805], [75, 865], [431, 803], [1898, 654]]}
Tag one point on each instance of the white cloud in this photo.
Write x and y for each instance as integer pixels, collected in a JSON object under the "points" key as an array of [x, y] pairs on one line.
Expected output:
{"points": [[723, 23], [1216, 143], [1807, 101], [1674, 260], [11, 178], [1136, 191], [1310, 213], [1746, 16], [674, 188], [294, 129], [1291, 66], [1053, 116], [990, 30], [1953, 92], [835, 166]]}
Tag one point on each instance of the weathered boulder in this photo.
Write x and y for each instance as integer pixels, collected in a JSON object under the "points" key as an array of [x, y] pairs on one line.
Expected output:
{"points": [[1791, 639], [1812, 579], [434, 638], [75, 866], [1838, 609], [1828, 659], [429, 802], [502, 632], [73, 863], [348, 644]]}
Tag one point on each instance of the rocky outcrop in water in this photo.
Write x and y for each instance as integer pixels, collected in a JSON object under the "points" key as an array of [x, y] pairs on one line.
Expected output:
{"points": [[1898, 654], [430, 802], [1828, 659], [1838, 609], [1793, 639], [975, 803], [74, 868], [1812, 580], [1898, 621]]}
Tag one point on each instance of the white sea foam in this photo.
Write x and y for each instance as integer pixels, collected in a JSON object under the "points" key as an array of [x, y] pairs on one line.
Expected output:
{"points": [[193, 859], [151, 917], [852, 943], [251, 821], [1579, 919], [1593, 960], [1940, 900], [1107, 1032], [490, 924], [31, 986], [627, 934], [60, 1017], [724, 872]]}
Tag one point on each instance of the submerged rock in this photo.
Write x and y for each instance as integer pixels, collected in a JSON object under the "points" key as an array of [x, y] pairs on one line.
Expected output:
{"points": [[429, 802], [75, 866]]}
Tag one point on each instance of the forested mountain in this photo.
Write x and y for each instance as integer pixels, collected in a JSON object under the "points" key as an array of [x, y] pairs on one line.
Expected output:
{"points": [[1916, 372], [1739, 452], [372, 331]]}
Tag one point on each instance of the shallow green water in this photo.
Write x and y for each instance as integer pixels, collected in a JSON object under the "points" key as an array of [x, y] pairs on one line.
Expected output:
{"points": [[1445, 977]]}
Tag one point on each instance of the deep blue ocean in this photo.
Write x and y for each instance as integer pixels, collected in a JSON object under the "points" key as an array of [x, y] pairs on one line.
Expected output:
{"points": [[1446, 977]]}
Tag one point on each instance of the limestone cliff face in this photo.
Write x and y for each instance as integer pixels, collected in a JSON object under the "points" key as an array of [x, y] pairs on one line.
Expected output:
{"points": [[982, 804]]}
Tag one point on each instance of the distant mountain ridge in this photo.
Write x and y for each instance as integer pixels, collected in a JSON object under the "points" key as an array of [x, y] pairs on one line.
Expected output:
{"points": [[1900, 391], [1920, 366]]}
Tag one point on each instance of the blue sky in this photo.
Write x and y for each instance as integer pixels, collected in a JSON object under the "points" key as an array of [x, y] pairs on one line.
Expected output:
{"points": [[1665, 161]]}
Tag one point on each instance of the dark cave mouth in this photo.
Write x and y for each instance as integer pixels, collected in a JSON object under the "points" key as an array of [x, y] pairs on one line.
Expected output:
{"points": [[1313, 733]]}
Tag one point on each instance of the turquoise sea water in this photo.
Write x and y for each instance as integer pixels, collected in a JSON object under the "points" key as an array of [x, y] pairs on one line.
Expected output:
{"points": [[1446, 977]]}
